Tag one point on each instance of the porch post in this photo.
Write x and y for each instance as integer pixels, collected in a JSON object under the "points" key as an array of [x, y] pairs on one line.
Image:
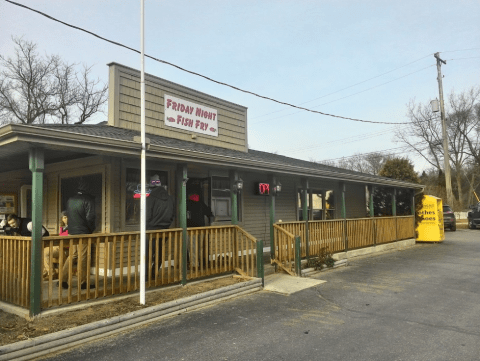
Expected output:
{"points": [[370, 201], [343, 212], [372, 212], [233, 195], [273, 182], [394, 202], [36, 165], [182, 214], [305, 214], [260, 268], [413, 211], [394, 209], [413, 202]]}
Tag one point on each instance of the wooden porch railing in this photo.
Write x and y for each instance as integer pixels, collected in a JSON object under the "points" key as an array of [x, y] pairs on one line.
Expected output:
{"points": [[405, 227], [284, 249], [113, 262], [15, 255], [345, 234], [329, 234], [220, 249]]}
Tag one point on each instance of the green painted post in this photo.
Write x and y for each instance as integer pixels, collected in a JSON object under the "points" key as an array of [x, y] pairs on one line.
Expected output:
{"points": [[413, 212], [36, 165], [260, 265], [305, 215], [273, 182], [394, 209], [298, 259], [370, 205], [413, 202], [372, 213], [343, 213], [234, 197], [182, 215], [394, 202]]}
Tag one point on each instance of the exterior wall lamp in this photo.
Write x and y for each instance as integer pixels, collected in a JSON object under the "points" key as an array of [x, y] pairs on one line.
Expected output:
{"points": [[277, 188], [238, 185]]}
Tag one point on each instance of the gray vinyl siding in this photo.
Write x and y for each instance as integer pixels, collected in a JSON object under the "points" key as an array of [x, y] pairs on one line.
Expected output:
{"points": [[256, 208], [124, 109]]}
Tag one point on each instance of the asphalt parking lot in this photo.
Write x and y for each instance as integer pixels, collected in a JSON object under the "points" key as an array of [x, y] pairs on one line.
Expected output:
{"points": [[421, 303]]}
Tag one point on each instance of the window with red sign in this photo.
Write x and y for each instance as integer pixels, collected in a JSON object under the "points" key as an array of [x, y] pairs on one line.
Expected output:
{"points": [[133, 190]]}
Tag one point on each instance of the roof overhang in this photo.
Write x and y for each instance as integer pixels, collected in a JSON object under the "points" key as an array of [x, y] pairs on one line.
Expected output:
{"points": [[17, 139]]}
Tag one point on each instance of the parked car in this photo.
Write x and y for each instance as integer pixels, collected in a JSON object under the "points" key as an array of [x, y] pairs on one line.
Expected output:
{"points": [[474, 216], [449, 220]]}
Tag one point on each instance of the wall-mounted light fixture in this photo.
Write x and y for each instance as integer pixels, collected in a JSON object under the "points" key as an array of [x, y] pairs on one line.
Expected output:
{"points": [[238, 185], [277, 188]]}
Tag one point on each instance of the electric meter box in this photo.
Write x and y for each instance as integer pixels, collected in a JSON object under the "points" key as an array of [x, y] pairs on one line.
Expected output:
{"points": [[430, 228]]}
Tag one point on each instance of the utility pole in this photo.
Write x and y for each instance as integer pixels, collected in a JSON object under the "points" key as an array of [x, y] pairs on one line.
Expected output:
{"points": [[446, 157]]}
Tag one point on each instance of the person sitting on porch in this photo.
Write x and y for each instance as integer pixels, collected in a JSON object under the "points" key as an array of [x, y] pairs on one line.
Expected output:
{"points": [[22, 227], [63, 231], [160, 211], [81, 220]]}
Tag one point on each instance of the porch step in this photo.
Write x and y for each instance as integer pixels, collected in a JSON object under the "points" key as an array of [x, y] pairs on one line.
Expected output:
{"points": [[269, 269]]}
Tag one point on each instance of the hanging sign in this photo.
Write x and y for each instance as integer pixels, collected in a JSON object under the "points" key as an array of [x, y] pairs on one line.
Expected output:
{"points": [[186, 115], [262, 189]]}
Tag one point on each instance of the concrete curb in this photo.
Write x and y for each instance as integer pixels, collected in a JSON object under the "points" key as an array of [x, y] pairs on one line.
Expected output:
{"points": [[61, 340]]}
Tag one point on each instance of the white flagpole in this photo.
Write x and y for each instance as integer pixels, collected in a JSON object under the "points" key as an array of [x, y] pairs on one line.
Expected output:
{"points": [[143, 165]]}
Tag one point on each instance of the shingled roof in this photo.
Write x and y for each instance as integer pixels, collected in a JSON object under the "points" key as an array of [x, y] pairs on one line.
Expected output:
{"points": [[253, 158]]}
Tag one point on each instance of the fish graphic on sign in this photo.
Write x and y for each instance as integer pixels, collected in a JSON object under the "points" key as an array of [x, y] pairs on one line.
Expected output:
{"points": [[137, 193]]}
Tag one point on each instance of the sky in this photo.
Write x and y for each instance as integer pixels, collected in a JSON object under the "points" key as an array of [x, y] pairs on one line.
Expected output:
{"points": [[356, 59]]}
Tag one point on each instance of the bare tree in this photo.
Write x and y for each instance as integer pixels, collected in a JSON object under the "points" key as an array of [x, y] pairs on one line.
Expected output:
{"points": [[41, 89], [370, 163], [424, 133], [90, 97]]}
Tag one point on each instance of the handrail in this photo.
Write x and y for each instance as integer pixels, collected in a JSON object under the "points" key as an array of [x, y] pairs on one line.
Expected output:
{"points": [[283, 230], [248, 235], [286, 255]]}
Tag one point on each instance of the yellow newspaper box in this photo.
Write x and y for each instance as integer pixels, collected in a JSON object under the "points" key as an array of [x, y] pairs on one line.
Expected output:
{"points": [[430, 229]]}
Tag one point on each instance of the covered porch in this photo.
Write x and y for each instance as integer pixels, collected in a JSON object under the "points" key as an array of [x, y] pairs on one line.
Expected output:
{"points": [[342, 210]]}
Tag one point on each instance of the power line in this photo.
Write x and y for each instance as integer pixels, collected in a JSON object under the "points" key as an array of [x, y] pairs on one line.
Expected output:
{"points": [[404, 147], [348, 87], [453, 51], [473, 57], [342, 141], [197, 74], [347, 96]]}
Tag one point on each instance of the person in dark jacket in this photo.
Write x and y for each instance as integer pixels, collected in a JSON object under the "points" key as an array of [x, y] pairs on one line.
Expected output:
{"points": [[81, 220], [160, 206], [160, 211], [197, 210], [21, 227]]}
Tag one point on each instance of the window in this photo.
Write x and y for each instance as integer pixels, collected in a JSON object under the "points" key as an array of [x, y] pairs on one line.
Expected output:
{"points": [[320, 204], [221, 200], [329, 204], [94, 184], [133, 189]]}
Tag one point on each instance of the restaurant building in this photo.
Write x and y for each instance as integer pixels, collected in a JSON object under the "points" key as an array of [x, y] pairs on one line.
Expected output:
{"points": [[194, 142]]}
